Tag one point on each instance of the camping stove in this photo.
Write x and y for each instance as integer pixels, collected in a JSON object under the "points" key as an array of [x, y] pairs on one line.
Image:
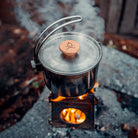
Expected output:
{"points": [[69, 62], [75, 112]]}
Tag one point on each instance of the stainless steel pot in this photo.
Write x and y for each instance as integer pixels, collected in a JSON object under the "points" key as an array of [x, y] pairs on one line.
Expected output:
{"points": [[64, 75]]}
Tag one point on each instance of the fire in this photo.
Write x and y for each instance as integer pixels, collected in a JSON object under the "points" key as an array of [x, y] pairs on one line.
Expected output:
{"points": [[92, 91], [59, 98], [82, 96], [72, 116], [96, 85]]}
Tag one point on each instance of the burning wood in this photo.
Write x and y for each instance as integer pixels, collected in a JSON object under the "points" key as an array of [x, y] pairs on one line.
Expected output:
{"points": [[72, 116]]}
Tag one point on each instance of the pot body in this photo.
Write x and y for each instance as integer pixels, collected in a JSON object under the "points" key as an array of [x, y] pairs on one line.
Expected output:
{"points": [[72, 85], [65, 76]]}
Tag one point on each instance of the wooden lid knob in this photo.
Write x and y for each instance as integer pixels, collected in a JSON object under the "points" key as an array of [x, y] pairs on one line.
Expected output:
{"points": [[69, 47]]}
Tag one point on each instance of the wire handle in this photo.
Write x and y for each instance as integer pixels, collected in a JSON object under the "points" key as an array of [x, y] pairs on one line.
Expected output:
{"points": [[40, 42]]}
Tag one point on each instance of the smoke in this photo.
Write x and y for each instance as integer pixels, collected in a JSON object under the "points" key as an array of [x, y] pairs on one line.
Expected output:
{"points": [[93, 24], [35, 15]]}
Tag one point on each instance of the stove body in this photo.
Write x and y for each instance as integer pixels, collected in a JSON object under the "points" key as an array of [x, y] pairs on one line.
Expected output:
{"points": [[81, 114]]}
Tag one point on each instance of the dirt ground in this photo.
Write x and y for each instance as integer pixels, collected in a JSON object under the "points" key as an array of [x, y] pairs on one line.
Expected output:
{"points": [[20, 87]]}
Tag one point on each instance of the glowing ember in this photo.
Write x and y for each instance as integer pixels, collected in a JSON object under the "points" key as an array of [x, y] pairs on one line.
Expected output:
{"points": [[72, 116]]}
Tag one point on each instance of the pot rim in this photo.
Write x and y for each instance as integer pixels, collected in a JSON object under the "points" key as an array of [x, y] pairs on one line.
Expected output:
{"points": [[75, 72]]}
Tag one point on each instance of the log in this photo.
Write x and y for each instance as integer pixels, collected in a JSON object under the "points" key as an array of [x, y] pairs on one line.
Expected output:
{"points": [[114, 13], [129, 17], [104, 8]]}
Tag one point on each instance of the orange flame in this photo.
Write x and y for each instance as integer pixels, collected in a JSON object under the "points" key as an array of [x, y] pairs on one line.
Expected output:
{"points": [[60, 98], [72, 116], [92, 91], [96, 85], [82, 96]]}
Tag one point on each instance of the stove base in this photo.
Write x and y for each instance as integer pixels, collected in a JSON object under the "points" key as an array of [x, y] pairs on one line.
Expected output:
{"points": [[86, 105]]}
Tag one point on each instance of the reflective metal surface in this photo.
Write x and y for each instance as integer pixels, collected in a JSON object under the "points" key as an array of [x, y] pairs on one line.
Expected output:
{"points": [[87, 58]]}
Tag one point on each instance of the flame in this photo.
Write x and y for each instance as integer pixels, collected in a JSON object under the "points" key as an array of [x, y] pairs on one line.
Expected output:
{"points": [[72, 116], [59, 98], [96, 85], [92, 91], [82, 96]]}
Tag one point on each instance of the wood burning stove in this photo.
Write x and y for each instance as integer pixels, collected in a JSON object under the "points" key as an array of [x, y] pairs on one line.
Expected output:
{"points": [[75, 112], [69, 62]]}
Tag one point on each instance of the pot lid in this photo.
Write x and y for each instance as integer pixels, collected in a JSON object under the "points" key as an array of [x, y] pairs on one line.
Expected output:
{"points": [[86, 56]]}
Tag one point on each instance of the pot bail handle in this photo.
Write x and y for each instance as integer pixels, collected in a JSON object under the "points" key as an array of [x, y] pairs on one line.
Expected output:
{"points": [[36, 65], [41, 39]]}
